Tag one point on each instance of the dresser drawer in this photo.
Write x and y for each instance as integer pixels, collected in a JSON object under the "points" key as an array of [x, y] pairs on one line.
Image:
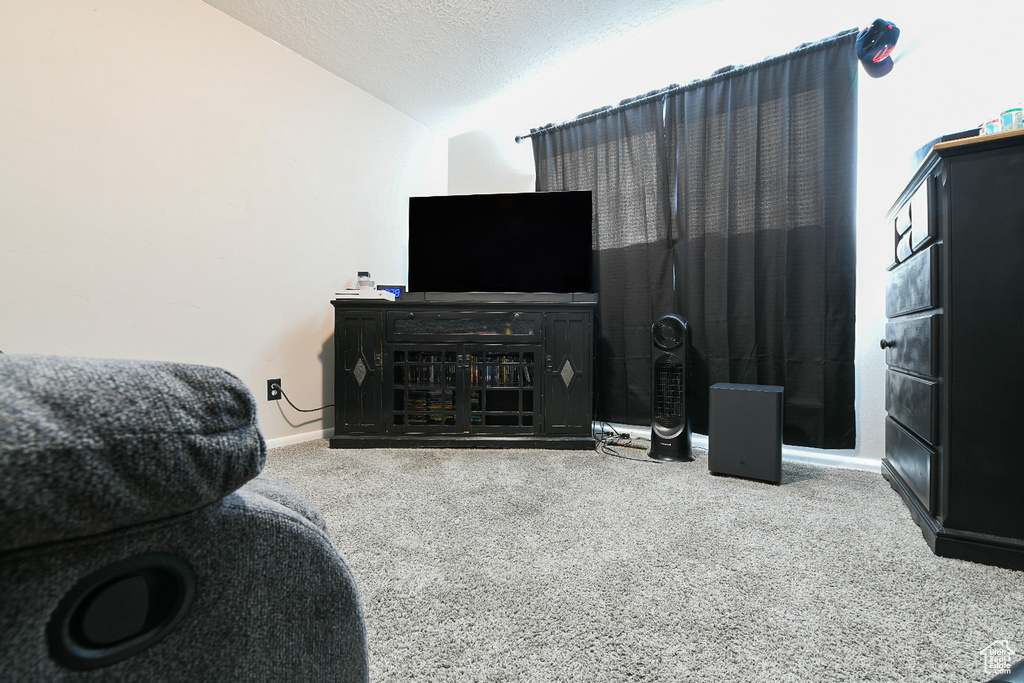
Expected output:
{"points": [[914, 403], [912, 344], [914, 284], [915, 223], [902, 220], [923, 223], [904, 248], [914, 461]]}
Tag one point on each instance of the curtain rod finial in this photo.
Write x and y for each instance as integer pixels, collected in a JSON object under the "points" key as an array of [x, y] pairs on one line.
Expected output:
{"points": [[519, 138]]}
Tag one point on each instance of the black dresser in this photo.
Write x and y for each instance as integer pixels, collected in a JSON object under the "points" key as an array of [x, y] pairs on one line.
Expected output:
{"points": [[954, 347]]}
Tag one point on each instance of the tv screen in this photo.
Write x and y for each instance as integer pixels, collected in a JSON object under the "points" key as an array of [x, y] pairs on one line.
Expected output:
{"points": [[517, 242]]}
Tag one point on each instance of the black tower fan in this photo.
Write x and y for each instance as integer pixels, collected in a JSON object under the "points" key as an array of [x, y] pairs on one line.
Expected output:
{"points": [[670, 360]]}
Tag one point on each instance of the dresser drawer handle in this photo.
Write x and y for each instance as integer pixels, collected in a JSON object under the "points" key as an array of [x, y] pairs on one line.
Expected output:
{"points": [[886, 344]]}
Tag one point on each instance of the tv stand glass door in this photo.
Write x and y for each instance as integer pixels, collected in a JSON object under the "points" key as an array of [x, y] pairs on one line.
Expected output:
{"points": [[463, 388], [425, 384]]}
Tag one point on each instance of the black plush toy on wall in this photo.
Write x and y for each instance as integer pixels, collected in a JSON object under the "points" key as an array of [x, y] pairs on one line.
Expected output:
{"points": [[874, 45]]}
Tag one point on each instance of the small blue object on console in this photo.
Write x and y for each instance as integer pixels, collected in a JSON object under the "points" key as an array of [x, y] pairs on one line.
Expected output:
{"points": [[397, 290]]}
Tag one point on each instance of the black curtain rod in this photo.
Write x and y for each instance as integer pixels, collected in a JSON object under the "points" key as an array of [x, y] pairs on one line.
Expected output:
{"points": [[598, 113], [724, 72]]}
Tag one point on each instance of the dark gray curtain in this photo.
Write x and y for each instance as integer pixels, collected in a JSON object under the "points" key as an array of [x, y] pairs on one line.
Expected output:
{"points": [[764, 221], [620, 156], [755, 169]]}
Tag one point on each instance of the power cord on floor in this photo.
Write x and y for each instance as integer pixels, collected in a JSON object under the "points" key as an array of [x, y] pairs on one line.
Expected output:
{"points": [[301, 410], [617, 439]]}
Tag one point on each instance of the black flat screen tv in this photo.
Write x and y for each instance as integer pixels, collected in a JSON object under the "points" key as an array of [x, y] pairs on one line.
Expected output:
{"points": [[515, 242]]}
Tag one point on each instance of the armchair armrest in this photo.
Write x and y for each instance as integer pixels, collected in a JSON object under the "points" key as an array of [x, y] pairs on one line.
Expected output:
{"points": [[91, 445]]}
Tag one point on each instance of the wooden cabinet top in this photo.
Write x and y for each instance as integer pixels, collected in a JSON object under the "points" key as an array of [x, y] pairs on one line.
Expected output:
{"points": [[954, 148], [474, 300]]}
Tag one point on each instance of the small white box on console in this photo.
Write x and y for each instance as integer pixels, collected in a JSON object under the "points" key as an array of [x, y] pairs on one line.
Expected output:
{"points": [[366, 294]]}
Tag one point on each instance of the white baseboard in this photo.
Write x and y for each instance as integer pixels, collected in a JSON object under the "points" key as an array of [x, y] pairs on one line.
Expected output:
{"points": [[812, 456], [815, 456], [300, 438]]}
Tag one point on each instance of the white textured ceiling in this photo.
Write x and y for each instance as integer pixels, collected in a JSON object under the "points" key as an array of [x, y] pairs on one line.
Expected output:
{"points": [[435, 60]]}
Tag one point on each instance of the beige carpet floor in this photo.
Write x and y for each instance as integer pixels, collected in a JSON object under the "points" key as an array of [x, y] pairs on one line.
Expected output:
{"points": [[516, 565]]}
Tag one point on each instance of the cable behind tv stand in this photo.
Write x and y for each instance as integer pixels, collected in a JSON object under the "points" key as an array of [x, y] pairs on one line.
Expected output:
{"points": [[477, 369]]}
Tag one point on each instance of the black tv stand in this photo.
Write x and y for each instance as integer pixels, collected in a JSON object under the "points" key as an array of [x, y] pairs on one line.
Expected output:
{"points": [[476, 369]]}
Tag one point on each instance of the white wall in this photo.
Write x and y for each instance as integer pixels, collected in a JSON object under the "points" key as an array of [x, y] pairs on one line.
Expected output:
{"points": [[947, 78], [481, 161], [175, 186]]}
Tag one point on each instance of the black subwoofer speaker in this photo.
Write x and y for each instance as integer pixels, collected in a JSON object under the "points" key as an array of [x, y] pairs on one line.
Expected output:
{"points": [[745, 431], [670, 362]]}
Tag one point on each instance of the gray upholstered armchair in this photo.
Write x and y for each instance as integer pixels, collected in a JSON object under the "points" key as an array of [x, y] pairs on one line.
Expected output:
{"points": [[138, 543]]}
